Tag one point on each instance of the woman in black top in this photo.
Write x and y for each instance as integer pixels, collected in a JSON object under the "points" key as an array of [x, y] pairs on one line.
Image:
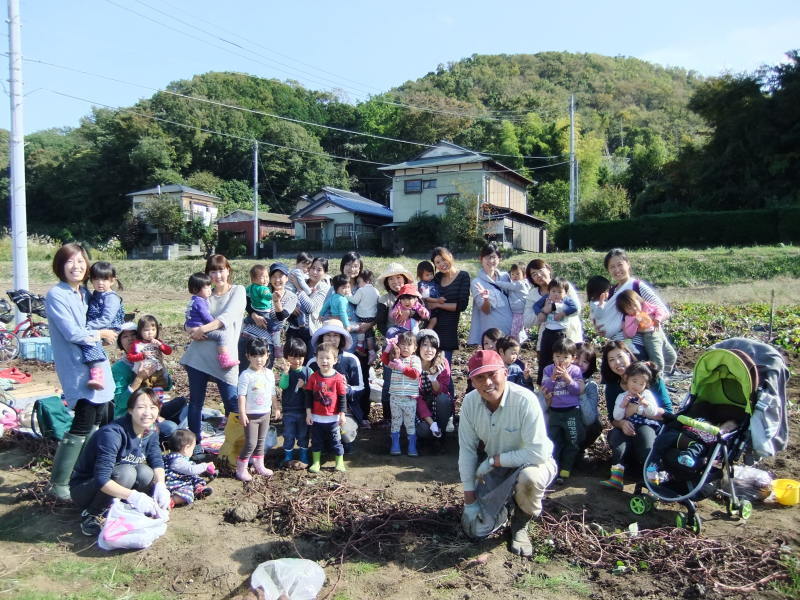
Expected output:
{"points": [[454, 293]]}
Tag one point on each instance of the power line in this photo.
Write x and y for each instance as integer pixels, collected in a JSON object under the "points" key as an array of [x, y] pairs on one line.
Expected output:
{"points": [[267, 114], [271, 144], [291, 73]]}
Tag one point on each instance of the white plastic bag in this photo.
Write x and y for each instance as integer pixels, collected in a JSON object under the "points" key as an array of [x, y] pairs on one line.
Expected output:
{"points": [[271, 439], [127, 528], [297, 578]]}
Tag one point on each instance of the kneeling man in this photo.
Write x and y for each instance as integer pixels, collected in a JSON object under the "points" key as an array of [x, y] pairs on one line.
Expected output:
{"points": [[506, 419]]}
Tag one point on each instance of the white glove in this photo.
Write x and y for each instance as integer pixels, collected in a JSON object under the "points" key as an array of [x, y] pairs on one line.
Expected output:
{"points": [[435, 431], [471, 510], [483, 469], [161, 495], [143, 503]]}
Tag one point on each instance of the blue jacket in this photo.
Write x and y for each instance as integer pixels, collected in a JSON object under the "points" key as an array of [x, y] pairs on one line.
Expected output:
{"points": [[112, 445]]}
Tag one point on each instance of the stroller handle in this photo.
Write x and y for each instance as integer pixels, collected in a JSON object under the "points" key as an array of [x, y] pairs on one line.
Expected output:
{"points": [[699, 425]]}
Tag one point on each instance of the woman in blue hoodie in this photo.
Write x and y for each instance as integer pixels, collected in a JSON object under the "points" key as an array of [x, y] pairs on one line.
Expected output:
{"points": [[122, 460]]}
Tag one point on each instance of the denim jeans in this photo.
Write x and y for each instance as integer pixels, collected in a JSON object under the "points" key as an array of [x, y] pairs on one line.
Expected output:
{"points": [[295, 429], [444, 410], [198, 382]]}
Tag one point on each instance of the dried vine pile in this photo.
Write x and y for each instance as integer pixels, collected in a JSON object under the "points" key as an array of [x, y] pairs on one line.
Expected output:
{"points": [[677, 554], [358, 521]]}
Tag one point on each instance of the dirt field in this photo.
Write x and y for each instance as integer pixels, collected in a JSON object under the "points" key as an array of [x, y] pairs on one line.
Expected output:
{"points": [[203, 555]]}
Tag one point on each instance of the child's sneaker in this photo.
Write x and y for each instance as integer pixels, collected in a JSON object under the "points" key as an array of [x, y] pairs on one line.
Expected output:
{"points": [[202, 491], [226, 361], [95, 378]]}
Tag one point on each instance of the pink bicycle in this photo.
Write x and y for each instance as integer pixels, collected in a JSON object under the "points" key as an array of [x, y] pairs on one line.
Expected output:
{"points": [[30, 304]]}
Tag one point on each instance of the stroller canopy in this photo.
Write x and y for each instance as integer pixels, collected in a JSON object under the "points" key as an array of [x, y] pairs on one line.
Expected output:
{"points": [[724, 377]]}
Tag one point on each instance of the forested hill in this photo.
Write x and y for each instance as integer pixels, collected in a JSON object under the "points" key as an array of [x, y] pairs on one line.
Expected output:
{"points": [[647, 138], [613, 95]]}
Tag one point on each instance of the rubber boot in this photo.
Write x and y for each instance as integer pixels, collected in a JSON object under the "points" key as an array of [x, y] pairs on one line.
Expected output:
{"points": [[69, 449], [316, 457], [520, 540], [615, 480], [302, 455], [287, 456], [395, 449], [242, 473], [340, 463], [258, 463], [412, 445]]}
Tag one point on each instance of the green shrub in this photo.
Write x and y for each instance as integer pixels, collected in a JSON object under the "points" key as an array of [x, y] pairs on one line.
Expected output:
{"points": [[687, 230]]}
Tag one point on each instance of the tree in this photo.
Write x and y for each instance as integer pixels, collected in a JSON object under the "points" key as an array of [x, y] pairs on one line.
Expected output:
{"points": [[610, 203], [551, 201], [167, 217], [461, 228], [197, 231]]}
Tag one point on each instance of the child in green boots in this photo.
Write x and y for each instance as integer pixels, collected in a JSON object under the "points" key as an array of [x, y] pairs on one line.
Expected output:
{"points": [[326, 394]]}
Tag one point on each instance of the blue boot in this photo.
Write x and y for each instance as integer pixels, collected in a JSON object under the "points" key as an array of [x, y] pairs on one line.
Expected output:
{"points": [[412, 445], [287, 456], [302, 455], [395, 450]]}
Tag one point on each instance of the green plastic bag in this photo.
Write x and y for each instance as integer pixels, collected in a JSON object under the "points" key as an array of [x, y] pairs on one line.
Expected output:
{"points": [[52, 419]]}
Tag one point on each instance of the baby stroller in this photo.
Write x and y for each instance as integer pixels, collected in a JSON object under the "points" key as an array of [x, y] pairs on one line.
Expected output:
{"points": [[736, 407]]}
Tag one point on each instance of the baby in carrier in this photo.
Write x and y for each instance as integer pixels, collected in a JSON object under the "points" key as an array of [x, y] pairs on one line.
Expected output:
{"points": [[692, 443]]}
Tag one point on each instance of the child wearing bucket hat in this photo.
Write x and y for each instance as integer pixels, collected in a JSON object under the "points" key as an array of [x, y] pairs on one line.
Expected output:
{"points": [[408, 312]]}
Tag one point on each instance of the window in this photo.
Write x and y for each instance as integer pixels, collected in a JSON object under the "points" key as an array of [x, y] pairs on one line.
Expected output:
{"points": [[413, 186], [343, 230], [442, 198], [429, 184]]}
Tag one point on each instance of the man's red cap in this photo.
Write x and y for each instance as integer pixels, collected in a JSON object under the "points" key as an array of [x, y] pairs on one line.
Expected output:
{"points": [[483, 361]]}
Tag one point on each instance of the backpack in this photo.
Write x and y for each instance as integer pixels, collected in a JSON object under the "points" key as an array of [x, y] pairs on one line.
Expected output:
{"points": [[51, 419]]}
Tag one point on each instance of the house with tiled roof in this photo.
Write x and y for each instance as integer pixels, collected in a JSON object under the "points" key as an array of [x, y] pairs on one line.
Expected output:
{"points": [[194, 203], [331, 216], [424, 183]]}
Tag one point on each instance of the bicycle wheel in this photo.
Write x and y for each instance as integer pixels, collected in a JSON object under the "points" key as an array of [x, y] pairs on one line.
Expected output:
{"points": [[9, 346], [35, 330]]}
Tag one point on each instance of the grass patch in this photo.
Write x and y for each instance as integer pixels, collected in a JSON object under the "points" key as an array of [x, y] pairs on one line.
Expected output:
{"points": [[791, 586], [571, 581], [360, 568]]}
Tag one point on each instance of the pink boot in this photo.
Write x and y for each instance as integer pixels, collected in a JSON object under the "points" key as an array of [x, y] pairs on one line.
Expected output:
{"points": [[226, 361], [242, 474], [95, 378], [258, 464]]}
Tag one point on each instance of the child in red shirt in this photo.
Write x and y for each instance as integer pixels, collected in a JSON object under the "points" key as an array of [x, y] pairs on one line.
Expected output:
{"points": [[326, 393]]}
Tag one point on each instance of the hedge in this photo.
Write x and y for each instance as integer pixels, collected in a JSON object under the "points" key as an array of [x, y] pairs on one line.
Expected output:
{"points": [[688, 230]]}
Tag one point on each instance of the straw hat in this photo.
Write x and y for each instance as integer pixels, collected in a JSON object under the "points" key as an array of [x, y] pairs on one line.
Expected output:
{"points": [[391, 270], [332, 326]]}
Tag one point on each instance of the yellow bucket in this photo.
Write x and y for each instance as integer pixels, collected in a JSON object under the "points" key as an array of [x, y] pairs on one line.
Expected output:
{"points": [[787, 491]]}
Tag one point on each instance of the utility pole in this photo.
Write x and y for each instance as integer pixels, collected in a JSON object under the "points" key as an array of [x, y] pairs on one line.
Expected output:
{"points": [[572, 166], [19, 219], [255, 200]]}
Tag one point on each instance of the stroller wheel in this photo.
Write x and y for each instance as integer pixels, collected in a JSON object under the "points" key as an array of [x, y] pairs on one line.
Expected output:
{"points": [[682, 521], [746, 509], [638, 504], [649, 503]]}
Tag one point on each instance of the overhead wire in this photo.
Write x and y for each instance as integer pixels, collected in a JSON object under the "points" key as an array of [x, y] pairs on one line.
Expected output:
{"points": [[268, 114], [477, 116]]}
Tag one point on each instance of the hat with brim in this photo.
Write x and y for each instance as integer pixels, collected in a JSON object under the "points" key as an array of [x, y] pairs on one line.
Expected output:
{"points": [[278, 266], [484, 361], [332, 326], [392, 270], [409, 289]]}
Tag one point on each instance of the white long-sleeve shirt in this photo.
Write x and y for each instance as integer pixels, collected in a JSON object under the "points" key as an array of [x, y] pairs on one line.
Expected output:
{"points": [[516, 431]]}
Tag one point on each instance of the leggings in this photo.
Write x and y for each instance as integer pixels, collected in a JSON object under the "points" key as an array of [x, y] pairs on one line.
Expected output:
{"points": [[87, 495], [88, 414], [255, 433]]}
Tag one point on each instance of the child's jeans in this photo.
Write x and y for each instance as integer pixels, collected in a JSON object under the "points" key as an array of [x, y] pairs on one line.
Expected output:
{"points": [[92, 353], [659, 350], [565, 429], [255, 433], [295, 429], [327, 435], [404, 410]]}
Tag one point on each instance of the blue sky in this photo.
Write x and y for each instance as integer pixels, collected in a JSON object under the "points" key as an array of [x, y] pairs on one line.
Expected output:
{"points": [[361, 47]]}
